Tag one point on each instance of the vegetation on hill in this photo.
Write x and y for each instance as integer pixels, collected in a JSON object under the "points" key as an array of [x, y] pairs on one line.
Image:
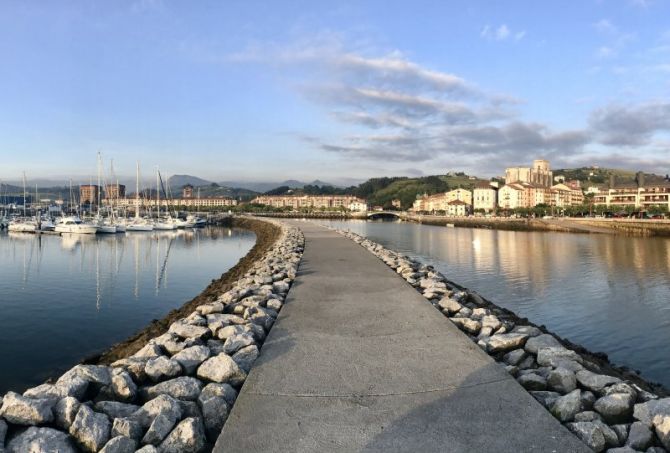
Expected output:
{"points": [[593, 175], [382, 191]]}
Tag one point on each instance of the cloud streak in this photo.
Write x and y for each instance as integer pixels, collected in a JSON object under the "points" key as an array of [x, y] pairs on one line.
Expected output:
{"points": [[402, 111]]}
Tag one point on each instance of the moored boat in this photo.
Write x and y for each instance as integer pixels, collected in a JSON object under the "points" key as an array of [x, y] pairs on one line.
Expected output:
{"points": [[75, 225]]}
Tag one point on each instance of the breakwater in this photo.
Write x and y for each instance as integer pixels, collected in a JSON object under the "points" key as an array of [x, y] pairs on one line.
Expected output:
{"points": [[605, 406], [174, 393]]}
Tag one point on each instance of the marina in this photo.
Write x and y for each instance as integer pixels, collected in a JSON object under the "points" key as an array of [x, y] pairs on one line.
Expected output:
{"points": [[68, 296]]}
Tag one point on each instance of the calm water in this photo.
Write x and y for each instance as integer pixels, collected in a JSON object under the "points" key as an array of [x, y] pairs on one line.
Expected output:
{"points": [[608, 293], [65, 298]]}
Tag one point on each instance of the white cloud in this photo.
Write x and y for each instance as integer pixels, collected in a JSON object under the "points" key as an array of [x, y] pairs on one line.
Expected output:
{"points": [[501, 33], [605, 52], [605, 26]]}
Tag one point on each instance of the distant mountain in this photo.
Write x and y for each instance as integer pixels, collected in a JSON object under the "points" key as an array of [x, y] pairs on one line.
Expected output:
{"points": [[181, 180], [263, 186]]}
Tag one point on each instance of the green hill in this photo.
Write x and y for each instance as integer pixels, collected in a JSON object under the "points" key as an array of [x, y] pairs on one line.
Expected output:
{"points": [[594, 175]]}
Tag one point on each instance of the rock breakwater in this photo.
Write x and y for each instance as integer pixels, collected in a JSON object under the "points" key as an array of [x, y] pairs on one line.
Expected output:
{"points": [[172, 395], [608, 409]]}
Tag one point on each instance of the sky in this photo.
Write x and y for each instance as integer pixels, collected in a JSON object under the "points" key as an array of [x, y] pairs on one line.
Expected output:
{"points": [[339, 91]]}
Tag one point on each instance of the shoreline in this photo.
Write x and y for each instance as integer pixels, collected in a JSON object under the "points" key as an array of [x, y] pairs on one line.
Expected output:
{"points": [[628, 227], [266, 235], [608, 407], [172, 385]]}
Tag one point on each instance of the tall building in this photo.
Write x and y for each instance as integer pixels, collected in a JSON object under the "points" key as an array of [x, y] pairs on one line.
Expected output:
{"points": [[187, 191], [540, 174], [115, 191], [88, 194]]}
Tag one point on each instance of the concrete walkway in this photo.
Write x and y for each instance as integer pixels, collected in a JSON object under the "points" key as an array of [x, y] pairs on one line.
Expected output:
{"points": [[360, 361]]}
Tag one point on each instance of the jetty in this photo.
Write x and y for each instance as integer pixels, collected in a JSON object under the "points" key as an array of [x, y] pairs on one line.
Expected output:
{"points": [[358, 360]]}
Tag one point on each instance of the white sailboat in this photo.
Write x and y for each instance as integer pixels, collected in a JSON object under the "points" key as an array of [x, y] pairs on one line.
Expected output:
{"points": [[73, 224], [104, 226], [162, 223], [23, 225], [138, 224]]}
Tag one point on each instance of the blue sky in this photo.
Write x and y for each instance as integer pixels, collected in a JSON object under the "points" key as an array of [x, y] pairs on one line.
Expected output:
{"points": [[332, 90]]}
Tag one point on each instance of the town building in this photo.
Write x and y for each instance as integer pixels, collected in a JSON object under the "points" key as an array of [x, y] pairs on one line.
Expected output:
{"points": [[187, 191], [514, 196], [115, 191], [297, 202], [204, 202], [564, 195], [457, 208], [396, 203], [430, 203], [485, 197], [89, 193], [642, 193], [459, 195], [540, 174], [358, 206]]}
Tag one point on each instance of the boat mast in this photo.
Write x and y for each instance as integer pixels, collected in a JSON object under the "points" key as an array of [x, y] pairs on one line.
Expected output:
{"points": [[24, 194], [158, 194], [137, 192], [99, 157]]}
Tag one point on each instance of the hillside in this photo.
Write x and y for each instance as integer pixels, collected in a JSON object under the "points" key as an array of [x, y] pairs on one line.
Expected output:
{"points": [[178, 181], [382, 191], [594, 175]]}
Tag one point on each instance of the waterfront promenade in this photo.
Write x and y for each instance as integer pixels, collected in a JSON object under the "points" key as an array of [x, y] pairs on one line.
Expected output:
{"points": [[359, 361]]}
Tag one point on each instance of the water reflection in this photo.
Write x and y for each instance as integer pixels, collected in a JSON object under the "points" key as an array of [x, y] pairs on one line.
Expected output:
{"points": [[609, 293], [85, 292]]}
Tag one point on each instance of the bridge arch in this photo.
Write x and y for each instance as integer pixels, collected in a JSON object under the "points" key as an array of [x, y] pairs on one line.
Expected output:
{"points": [[383, 215]]}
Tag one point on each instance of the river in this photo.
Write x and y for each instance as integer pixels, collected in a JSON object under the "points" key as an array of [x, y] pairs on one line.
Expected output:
{"points": [[63, 298], [609, 293]]}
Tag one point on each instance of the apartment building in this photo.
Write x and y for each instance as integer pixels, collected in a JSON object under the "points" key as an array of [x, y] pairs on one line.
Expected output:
{"points": [[485, 197], [297, 202], [641, 193]]}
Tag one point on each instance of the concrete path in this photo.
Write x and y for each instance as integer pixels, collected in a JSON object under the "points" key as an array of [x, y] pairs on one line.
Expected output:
{"points": [[360, 361]]}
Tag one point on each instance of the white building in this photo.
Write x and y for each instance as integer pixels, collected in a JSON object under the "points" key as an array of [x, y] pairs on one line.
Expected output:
{"points": [[358, 206], [457, 208], [485, 197]]}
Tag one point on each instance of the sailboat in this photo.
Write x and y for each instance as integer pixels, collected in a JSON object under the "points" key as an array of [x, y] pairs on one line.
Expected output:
{"points": [[139, 224], [104, 226], [164, 223], [23, 225], [73, 224]]}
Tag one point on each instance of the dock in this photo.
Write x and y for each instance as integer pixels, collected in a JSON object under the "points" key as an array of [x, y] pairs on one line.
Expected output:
{"points": [[358, 360]]}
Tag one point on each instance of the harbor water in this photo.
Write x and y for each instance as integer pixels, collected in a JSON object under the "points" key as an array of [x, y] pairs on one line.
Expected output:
{"points": [[609, 293], [63, 298]]}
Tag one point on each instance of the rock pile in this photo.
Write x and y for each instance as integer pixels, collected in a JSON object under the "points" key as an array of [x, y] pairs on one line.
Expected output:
{"points": [[175, 393], [605, 412]]}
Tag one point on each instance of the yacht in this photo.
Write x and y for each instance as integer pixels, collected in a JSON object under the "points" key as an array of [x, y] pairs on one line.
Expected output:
{"points": [[198, 222], [140, 225], [22, 226], [47, 225], [105, 227], [75, 225], [165, 224], [185, 223]]}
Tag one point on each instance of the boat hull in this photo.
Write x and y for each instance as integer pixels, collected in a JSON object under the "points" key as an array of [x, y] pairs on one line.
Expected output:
{"points": [[77, 229], [22, 227]]}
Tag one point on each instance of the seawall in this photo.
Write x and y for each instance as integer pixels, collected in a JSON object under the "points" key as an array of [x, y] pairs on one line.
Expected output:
{"points": [[170, 387], [606, 406]]}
